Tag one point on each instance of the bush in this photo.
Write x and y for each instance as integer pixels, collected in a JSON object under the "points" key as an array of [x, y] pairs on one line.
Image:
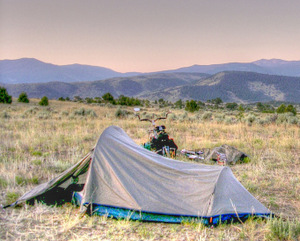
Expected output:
{"points": [[11, 197], [4, 97], [292, 120], [107, 97], [228, 120], [179, 104], [44, 101], [232, 106], [206, 115], [291, 109], [121, 113], [23, 98], [4, 115], [250, 119], [84, 112], [43, 115], [284, 230], [286, 109], [281, 108], [191, 106]]}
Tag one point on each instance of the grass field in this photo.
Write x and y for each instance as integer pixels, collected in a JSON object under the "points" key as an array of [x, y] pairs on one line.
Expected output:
{"points": [[37, 143]]}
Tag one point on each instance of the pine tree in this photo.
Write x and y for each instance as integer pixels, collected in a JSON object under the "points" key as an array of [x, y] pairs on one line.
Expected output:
{"points": [[23, 98], [4, 96]]}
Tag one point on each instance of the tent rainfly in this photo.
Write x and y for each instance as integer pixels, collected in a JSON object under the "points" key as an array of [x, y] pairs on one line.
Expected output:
{"points": [[120, 179]]}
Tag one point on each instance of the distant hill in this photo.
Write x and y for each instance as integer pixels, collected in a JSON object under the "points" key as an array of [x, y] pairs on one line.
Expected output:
{"points": [[242, 87], [28, 70], [129, 86], [263, 66], [235, 86]]}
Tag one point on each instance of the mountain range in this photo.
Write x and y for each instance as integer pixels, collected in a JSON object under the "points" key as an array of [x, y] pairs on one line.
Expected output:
{"points": [[29, 70], [230, 86], [263, 80]]}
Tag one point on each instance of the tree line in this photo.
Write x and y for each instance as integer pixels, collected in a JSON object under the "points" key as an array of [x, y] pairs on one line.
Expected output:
{"points": [[189, 105]]}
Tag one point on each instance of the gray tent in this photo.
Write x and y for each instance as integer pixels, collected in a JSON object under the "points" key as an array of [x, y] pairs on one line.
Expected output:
{"points": [[120, 179]]}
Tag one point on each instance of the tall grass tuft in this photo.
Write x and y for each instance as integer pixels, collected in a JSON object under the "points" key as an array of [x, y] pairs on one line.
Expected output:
{"points": [[284, 229]]}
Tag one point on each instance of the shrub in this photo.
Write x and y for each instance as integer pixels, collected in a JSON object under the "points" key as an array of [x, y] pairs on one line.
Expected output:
{"points": [[173, 117], [228, 120], [43, 115], [206, 115], [11, 197], [281, 108], [23, 98], [179, 104], [44, 101], [91, 113], [65, 113], [250, 119], [121, 113], [232, 106], [4, 115], [291, 109], [83, 112], [183, 117], [271, 118], [281, 119], [284, 230], [292, 120], [4, 96], [191, 106], [286, 109], [107, 97]]}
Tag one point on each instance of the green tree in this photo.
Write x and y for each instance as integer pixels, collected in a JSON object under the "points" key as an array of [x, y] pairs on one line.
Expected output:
{"points": [[260, 106], [191, 106], [292, 109], [61, 99], [281, 109], [44, 101], [77, 98], [107, 97], [232, 106], [4, 96], [178, 104], [89, 100], [241, 108], [23, 98], [217, 101]]}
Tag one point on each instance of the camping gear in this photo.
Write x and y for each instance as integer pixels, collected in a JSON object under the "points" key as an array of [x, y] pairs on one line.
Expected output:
{"points": [[228, 154], [121, 179], [159, 140], [193, 155], [222, 155]]}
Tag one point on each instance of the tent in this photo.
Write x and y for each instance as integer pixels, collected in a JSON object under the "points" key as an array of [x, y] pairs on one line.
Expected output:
{"points": [[120, 179]]}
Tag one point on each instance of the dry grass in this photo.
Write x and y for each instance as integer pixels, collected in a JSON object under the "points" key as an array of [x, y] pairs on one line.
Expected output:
{"points": [[37, 143]]}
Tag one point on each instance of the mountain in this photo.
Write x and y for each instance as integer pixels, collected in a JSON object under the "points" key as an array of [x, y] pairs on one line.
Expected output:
{"points": [[230, 86], [263, 66], [235, 86], [29, 70], [129, 86]]}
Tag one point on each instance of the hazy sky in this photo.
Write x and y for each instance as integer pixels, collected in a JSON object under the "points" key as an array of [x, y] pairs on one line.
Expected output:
{"points": [[149, 35]]}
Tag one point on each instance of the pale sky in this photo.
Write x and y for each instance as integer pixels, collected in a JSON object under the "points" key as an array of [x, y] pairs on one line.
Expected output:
{"points": [[149, 35]]}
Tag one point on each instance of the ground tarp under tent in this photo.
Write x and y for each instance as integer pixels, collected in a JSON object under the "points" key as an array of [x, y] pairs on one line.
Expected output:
{"points": [[120, 179]]}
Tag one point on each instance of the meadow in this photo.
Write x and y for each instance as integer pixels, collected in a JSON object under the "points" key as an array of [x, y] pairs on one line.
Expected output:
{"points": [[37, 143]]}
